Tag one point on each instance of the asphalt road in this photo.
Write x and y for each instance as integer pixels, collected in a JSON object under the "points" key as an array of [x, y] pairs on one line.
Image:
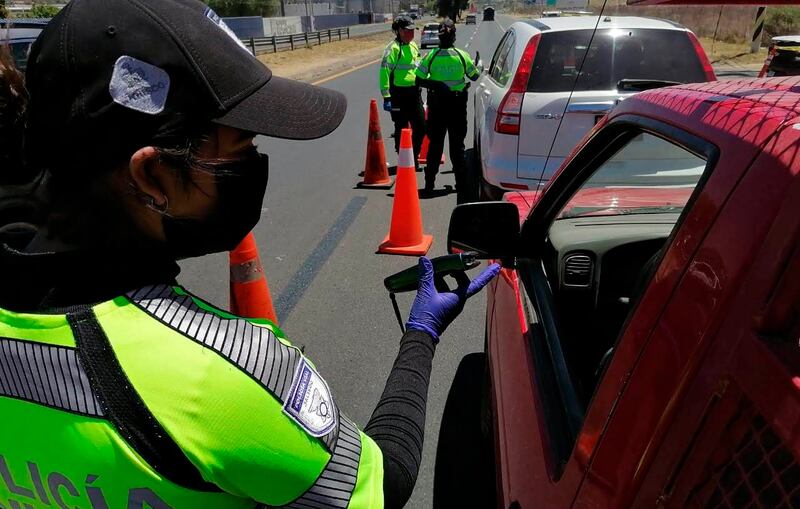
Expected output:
{"points": [[317, 238]]}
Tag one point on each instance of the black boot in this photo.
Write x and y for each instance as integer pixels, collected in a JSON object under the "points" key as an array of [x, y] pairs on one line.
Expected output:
{"points": [[429, 183]]}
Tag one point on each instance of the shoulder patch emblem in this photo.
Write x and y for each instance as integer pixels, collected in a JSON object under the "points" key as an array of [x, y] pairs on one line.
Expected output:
{"points": [[309, 402]]}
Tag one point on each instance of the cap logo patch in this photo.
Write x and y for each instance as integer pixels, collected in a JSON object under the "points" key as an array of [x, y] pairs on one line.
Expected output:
{"points": [[139, 86], [210, 14], [309, 402]]}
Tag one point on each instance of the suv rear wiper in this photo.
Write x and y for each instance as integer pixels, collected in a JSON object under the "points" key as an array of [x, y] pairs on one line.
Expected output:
{"points": [[638, 85]]}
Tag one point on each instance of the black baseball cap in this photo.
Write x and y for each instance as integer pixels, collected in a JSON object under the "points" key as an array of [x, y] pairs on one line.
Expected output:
{"points": [[405, 22], [107, 75]]}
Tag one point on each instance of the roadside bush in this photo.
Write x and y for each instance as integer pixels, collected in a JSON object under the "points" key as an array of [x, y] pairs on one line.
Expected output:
{"points": [[781, 21], [232, 8], [42, 11]]}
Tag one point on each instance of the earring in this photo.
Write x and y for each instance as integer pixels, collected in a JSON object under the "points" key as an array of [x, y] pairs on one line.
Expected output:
{"points": [[151, 204]]}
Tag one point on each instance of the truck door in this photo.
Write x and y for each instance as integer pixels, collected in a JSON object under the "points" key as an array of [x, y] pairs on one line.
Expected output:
{"points": [[733, 440], [595, 240]]}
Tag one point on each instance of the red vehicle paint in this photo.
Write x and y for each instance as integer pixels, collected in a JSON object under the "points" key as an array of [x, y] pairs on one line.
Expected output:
{"points": [[697, 402]]}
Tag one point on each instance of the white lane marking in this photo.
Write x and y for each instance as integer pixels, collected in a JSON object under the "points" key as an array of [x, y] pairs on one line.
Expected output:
{"points": [[477, 27]]}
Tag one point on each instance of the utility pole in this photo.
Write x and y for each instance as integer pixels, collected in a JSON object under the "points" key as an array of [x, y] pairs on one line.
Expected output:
{"points": [[758, 28], [310, 17]]}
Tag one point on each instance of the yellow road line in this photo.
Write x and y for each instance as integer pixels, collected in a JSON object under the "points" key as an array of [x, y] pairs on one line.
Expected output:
{"points": [[343, 73]]}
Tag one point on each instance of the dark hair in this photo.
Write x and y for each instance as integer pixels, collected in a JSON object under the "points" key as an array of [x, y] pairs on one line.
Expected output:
{"points": [[13, 106]]}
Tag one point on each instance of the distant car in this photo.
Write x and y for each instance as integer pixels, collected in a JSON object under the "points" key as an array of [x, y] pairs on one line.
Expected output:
{"points": [[471, 19], [524, 127], [414, 15], [488, 14], [430, 35], [786, 61]]}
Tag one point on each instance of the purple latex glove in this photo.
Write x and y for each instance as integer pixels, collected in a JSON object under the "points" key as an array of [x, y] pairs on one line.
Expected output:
{"points": [[432, 310]]}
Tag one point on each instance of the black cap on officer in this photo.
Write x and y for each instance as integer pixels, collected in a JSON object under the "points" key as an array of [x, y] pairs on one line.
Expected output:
{"points": [[106, 75], [404, 22]]}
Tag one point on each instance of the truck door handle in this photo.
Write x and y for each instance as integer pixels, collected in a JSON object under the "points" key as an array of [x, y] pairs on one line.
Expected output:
{"points": [[487, 93], [596, 108]]}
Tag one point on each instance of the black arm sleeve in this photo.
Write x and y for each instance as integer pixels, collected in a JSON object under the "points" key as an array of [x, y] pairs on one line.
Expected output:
{"points": [[398, 423]]}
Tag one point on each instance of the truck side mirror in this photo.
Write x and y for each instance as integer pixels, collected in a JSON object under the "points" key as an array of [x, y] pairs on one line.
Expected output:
{"points": [[491, 229]]}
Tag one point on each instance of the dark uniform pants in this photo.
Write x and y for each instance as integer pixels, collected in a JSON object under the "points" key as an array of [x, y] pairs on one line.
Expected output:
{"points": [[407, 109], [447, 114]]}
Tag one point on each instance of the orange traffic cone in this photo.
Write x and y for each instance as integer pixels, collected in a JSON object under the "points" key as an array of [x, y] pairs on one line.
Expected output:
{"points": [[405, 235], [423, 151], [250, 297], [376, 173]]}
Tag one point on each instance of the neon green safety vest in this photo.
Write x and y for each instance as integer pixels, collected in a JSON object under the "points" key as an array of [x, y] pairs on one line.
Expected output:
{"points": [[398, 65], [158, 400], [448, 65]]}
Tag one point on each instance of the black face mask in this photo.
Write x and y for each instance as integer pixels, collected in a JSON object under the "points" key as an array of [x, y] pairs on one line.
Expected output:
{"points": [[241, 185]]}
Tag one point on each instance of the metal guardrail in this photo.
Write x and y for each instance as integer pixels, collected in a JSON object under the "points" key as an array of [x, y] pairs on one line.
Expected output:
{"points": [[276, 43]]}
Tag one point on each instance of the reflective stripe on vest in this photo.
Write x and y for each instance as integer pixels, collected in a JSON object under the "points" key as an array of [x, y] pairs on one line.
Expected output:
{"points": [[447, 65], [55, 416]]}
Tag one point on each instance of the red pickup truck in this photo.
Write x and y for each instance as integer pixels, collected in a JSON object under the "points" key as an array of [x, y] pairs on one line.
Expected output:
{"points": [[642, 343]]}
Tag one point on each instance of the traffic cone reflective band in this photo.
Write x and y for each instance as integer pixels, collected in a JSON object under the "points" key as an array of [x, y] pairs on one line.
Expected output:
{"points": [[405, 233], [250, 297], [376, 173], [423, 151]]}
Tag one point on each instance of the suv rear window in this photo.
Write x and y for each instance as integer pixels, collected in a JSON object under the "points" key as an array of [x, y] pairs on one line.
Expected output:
{"points": [[615, 54]]}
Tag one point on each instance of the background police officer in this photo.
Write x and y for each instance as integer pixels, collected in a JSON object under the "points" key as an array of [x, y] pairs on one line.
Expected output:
{"points": [[443, 72], [401, 95]]}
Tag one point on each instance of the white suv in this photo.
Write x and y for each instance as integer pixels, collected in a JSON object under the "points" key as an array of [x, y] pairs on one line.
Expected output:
{"points": [[535, 102]]}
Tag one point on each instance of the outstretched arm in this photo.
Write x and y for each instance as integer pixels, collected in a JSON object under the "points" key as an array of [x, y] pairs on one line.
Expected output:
{"points": [[398, 423]]}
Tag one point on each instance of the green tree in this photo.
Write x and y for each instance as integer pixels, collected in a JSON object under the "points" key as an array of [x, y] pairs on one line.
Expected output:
{"points": [[42, 11], [263, 8], [451, 8], [3, 10]]}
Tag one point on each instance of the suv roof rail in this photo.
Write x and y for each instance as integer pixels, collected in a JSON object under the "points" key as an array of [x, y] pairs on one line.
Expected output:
{"points": [[537, 24]]}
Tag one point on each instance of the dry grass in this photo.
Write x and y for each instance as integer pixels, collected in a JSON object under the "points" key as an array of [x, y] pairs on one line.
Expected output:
{"points": [[720, 52], [316, 62], [730, 23]]}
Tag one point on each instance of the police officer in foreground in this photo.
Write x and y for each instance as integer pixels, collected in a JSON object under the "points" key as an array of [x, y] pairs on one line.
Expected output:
{"points": [[118, 387], [401, 95], [444, 72]]}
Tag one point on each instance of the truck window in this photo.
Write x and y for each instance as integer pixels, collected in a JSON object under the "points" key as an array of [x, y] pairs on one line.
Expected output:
{"points": [[597, 259]]}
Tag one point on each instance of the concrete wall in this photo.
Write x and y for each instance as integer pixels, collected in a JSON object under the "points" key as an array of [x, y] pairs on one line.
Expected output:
{"points": [[253, 26], [283, 26], [315, 8], [246, 27], [335, 21]]}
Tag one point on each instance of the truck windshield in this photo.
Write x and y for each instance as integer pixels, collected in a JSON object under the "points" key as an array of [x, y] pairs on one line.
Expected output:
{"points": [[647, 176], [615, 54]]}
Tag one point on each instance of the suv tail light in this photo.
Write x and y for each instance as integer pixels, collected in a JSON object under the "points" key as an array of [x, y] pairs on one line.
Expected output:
{"points": [[508, 114], [701, 54]]}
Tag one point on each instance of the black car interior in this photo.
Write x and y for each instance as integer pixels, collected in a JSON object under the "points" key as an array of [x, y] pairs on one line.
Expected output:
{"points": [[597, 267]]}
